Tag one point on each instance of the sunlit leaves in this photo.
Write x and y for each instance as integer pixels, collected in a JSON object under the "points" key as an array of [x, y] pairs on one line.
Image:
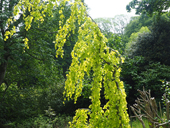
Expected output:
{"points": [[90, 54], [80, 120], [26, 43], [37, 10]]}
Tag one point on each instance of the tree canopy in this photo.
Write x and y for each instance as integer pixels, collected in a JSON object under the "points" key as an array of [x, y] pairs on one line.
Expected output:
{"points": [[136, 23], [133, 39], [115, 25], [90, 54], [149, 6], [147, 60], [154, 45]]}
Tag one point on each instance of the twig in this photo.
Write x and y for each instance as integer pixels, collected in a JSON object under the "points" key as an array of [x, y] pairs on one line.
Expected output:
{"points": [[138, 116], [160, 109]]}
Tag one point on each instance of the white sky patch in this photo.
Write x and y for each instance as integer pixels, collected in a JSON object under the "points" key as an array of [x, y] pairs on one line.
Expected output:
{"points": [[108, 8]]}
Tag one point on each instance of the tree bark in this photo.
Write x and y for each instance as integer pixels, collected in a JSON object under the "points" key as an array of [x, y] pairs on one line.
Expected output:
{"points": [[3, 68]]}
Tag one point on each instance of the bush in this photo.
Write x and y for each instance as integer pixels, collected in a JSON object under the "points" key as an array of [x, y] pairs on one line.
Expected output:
{"points": [[20, 104], [137, 73], [42, 121], [17, 104]]}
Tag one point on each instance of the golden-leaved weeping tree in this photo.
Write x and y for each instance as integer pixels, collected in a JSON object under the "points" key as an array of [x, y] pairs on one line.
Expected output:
{"points": [[90, 54]]}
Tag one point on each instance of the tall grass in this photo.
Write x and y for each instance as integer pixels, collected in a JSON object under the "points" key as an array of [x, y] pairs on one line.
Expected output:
{"points": [[135, 123]]}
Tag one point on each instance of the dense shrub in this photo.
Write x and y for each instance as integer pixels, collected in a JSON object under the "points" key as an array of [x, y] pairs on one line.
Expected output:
{"points": [[138, 73], [17, 104], [42, 121], [22, 104]]}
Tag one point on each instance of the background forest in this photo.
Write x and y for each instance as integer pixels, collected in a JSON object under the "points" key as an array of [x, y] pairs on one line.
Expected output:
{"points": [[32, 79]]}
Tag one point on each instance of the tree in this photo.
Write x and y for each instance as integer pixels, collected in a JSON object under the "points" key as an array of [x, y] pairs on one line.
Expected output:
{"points": [[121, 21], [138, 73], [133, 39], [12, 49], [4, 48], [28, 66], [106, 24], [27, 69], [154, 46], [89, 53], [147, 60], [136, 23], [149, 6], [115, 25]]}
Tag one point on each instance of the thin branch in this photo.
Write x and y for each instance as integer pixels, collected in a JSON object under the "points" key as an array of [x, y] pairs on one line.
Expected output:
{"points": [[138, 116], [165, 123]]}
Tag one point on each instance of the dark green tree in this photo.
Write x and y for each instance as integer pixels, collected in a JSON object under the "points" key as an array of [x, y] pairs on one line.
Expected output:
{"points": [[137, 23], [23, 70], [155, 46], [22, 65], [148, 62], [6, 8], [149, 6], [138, 73]]}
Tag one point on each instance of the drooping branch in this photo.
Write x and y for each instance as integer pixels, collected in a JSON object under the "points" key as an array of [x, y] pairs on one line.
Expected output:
{"points": [[120, 56]]}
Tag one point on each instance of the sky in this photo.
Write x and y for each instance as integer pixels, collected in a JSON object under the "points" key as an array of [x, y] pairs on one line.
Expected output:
{"points": [[107, 8]]}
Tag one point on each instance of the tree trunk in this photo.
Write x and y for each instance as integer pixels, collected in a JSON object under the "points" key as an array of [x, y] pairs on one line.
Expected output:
{"points": [[3, 67]]}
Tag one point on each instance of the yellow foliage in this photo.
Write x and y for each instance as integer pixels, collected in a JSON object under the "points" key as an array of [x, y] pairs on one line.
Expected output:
{"points": [[89, 53], [26, 43]]}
